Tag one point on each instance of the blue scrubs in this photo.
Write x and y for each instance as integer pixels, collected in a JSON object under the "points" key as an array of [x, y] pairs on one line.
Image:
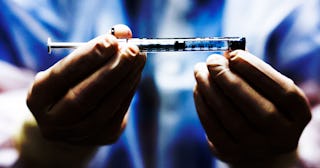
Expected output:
{"points": [[163, 128]]}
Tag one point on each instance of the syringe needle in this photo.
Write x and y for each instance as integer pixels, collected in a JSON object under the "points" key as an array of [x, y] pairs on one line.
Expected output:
{"points": [[170, 44]]}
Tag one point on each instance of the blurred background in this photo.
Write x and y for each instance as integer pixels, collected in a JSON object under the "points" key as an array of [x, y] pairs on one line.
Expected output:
{"points": [[163, 129]]}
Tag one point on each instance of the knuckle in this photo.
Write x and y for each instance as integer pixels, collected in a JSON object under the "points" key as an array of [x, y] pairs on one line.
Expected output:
{"points": [[76, 101], [104, 45], [291, 90], [73, 97], [296, 97], [293, 93], [271, 117], [39, 76], [127, 55], [233, 81], [270, 111], [32, 99], [199, 76], [220, 73], [36, 86]]}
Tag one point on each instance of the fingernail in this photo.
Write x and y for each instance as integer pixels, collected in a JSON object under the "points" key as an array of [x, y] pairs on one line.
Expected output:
{"points": [[131, 50], [216, 60], [235, 54], [217, 64]]}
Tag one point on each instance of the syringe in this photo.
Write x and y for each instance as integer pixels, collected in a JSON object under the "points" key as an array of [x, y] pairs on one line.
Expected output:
{"points": [[170, 44]]}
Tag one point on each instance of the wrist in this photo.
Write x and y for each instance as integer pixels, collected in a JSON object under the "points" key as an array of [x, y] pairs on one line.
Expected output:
{"points": [[286, 160], [36, 151]]}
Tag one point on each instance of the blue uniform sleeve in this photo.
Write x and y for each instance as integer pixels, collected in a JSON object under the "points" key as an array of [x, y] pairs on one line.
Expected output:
{"points": [[294, 46], [23, 33]]}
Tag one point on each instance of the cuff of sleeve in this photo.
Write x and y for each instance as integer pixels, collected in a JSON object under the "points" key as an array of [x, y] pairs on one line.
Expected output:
{"points": [[35, 151], [287, 160]]}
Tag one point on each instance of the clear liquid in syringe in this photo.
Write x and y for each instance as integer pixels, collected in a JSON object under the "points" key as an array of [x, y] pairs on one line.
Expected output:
{"points": [[171, 44]]}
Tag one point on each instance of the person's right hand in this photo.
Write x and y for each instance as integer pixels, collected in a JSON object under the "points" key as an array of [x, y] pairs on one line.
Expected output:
{"points": [[84, 98], [252, 114]]}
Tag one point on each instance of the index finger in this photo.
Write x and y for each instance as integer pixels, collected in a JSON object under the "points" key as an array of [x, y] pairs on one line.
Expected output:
{"points": [[250, 103], [272, 84], [53, 83]]}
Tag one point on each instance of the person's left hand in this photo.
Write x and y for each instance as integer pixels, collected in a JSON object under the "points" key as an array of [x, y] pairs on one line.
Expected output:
{"points": [[249, 111], [85, 97]]}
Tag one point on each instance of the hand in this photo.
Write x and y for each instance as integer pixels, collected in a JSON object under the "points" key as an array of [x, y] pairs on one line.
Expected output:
{"points": [[249, 111], [84, 98]]}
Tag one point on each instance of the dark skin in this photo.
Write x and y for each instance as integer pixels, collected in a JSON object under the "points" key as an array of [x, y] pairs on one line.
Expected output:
{"points": [[248, 110], [84, 98]]}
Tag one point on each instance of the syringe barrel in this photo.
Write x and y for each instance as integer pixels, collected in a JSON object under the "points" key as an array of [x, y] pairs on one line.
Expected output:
{"points": [[188, 44], [171, 44]]}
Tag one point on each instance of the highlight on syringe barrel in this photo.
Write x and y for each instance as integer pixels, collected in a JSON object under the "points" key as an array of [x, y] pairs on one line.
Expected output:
{"points": [[170, 44], [189, 44]]}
